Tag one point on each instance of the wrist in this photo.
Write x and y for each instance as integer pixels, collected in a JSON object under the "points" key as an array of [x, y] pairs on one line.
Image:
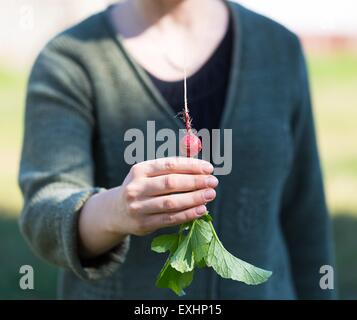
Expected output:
{"points": [[98, 221], [114, 220]]}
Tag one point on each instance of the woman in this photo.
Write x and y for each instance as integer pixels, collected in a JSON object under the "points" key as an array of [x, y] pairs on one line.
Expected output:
{"points": [[89, 212]]}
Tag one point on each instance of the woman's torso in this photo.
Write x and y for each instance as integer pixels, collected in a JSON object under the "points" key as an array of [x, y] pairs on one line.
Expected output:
{"points": [[247, 207]]}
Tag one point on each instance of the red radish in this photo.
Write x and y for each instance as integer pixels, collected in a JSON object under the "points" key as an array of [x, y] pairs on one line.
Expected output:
{"points": [[190, 145]]}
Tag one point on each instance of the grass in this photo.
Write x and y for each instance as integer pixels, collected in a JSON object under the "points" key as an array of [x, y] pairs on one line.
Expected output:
{"points": [[334, 83]]}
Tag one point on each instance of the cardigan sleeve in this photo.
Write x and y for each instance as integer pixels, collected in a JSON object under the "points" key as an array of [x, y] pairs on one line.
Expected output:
{"points": [[56, 171], [305, 220]]}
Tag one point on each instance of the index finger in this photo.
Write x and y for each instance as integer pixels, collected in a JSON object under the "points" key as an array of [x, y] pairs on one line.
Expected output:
{"points": [[182, 165]]}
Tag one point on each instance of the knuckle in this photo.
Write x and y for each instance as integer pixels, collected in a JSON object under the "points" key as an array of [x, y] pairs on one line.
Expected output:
{"points": [[169, 183], [200, 197], [169, 165], [130, 193], [134, 208], [189, 214], [169, 220], [198, 182], [169, 204], [184, 217]]}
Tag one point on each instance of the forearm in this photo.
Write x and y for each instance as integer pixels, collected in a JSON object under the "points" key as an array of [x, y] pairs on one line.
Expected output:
{"points": [[96, 232]]}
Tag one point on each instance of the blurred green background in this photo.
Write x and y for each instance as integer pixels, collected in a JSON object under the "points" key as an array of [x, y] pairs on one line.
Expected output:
{"points": [[334, 88]]}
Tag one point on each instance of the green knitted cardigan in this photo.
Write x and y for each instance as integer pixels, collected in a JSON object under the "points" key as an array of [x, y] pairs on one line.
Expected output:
{"points": [[85, 91]]}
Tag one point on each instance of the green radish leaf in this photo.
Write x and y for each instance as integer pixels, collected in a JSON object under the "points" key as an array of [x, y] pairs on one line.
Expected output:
{"points": [[200, 253], [200, 239], [202, 231], [182, 260], [166, 242], [197, 245], [207, 217], [201, 264], [193, 248], [230, 267], [172, 279]]}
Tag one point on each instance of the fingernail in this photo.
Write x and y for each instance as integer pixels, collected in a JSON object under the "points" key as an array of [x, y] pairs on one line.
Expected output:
{"points": [[210, 194], [207, 167], [201, 210], [212, 181]]}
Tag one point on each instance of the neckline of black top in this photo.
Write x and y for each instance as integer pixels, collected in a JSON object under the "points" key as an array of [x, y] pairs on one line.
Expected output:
{"points": [[206, 88], [221, 47]]}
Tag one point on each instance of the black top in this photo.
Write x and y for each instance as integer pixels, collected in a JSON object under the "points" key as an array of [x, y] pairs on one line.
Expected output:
{"points": [[206, 89]]}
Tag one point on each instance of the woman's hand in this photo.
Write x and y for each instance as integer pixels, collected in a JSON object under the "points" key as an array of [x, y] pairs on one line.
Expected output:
{"points": [[163, 193], [155, 194]]}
